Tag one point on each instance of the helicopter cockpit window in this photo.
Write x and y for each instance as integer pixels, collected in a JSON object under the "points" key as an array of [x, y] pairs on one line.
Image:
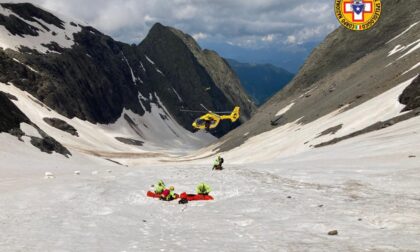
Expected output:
{"points": [[200, 122]]}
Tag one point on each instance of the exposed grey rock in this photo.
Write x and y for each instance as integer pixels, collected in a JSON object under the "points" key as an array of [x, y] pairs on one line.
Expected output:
{"points": [[133, 125], [10, 116], [130, 141], [331, 131], [333, 232], [10, 96], [32, 13], [17, 27], [53, 46], [411, 95], [371, 128], [61, 125], [17, 132], [49, 145], [115, 162]]}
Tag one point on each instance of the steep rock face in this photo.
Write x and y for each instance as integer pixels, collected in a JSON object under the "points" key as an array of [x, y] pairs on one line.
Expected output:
{"points": [[177, 71], [185, 63], [411, 95], [346, 70], [87, 81], [11, 116], [31, 13], [79, 72], [173, 71]]}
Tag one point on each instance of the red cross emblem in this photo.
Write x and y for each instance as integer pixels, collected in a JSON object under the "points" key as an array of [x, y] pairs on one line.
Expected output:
{"points": [[368, 8]]}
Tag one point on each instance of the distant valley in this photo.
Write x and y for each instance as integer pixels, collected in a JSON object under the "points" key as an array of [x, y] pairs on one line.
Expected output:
{"points": [[261, 81]]}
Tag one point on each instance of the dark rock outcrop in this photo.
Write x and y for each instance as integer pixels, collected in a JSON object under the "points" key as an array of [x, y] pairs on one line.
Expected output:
{"points": [[130, 141], [331, 131], [12, 117], [32, 13], [61, 125], [411, 95], [373, 127], [333, 232], [49, 145], [17, 27], [10, 96]]}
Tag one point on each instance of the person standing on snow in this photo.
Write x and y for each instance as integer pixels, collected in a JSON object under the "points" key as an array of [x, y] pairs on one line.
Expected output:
{"points": [[217, 165], [160, 187], [203, 189], [168, 194]]}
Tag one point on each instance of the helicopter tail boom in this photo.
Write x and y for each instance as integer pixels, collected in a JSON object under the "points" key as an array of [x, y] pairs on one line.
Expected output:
{"points": [[234, 116]]}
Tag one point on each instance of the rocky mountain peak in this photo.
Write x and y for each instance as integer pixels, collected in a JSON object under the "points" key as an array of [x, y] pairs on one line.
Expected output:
{"points": [[81, 73], [216, 67]]}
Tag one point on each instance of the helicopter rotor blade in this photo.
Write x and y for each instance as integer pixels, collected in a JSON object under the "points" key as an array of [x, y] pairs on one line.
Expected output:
{"points": [[192, 111], [214, 112], [207, 110], [224, 112]]}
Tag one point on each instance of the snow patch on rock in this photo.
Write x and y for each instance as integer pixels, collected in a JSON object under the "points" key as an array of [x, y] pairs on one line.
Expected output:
{"points": [[64, 38], [285, 141], [284, 110], [404, 32], [151, 61]]}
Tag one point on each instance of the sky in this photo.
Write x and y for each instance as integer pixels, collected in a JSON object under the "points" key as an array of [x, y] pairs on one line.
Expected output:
{"points": [[249, 26]]}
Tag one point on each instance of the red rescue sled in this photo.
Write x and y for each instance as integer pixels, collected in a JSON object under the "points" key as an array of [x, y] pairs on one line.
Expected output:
{"points": [[157, 195], [193, 197]]}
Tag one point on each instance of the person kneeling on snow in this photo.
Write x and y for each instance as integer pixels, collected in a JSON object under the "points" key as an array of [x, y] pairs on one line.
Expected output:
{"points": [[168, 194], [203, 189], [160, 187], [217, 165]]}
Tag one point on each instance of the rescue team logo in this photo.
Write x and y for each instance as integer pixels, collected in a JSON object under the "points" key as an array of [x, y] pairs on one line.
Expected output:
{"points": [[358, 15]]}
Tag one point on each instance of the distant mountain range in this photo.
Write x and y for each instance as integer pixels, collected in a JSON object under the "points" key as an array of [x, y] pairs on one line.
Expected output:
{"points": [[261, 81], [290, 58]]}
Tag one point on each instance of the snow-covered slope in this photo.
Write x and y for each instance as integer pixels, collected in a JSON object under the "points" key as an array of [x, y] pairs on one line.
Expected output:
{"points": [[366, 188], [276, 193], [294, 138], [155, 130], [42, 34]]}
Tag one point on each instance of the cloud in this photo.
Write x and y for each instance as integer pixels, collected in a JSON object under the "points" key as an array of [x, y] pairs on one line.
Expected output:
{"points": [[291, 39], [268, 38], [247, 23], [199, 36]]}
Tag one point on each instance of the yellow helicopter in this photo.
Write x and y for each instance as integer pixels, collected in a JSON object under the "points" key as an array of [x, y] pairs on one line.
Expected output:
{"points": [[212, 119]]}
